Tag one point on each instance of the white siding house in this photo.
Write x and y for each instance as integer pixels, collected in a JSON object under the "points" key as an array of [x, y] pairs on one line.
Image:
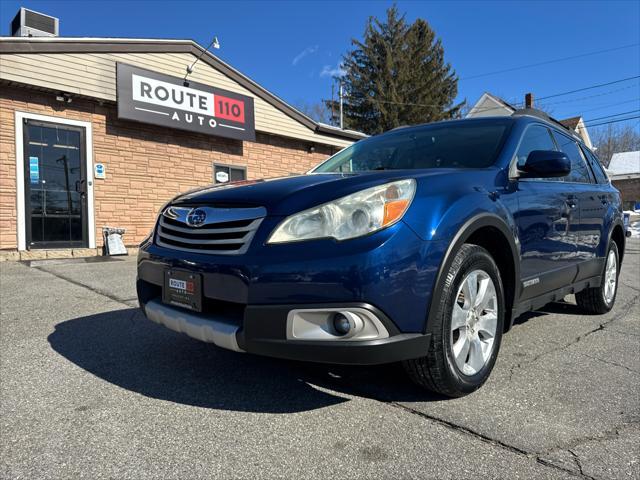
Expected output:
{"points": [[490, 106]]}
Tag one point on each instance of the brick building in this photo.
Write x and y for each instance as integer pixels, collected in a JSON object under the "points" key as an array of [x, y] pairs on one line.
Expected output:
{"points": [[624, 172], [93, 129]]}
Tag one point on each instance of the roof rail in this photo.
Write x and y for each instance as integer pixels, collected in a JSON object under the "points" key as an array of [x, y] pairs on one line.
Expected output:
{"points": [[400, 127], [534, 112]]}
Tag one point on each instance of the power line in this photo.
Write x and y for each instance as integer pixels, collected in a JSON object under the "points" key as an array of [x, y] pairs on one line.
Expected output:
{"points": [[612, 121], [513, 104], [591, 96], [516, 104], [547, 62], [588, 88], [614, 115], [609, 105], [519, 104]]}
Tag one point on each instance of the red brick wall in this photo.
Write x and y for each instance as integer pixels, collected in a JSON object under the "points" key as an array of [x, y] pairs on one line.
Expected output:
{"points": [[630, 191], [145, 165]]}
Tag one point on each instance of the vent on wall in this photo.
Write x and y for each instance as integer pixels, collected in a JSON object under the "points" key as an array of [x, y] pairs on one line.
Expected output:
{"points": [[28, 23]]}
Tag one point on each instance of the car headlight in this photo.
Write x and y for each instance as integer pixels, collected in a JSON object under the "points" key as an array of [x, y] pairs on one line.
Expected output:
{"points": [[352, 216]]}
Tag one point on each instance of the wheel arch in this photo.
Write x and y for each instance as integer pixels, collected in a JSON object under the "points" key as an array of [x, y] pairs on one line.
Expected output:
{"points": [[492, 233], [618, 236]]}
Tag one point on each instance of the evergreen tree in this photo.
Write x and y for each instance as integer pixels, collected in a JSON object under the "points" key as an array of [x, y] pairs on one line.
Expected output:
{"points": [[397, 76]]}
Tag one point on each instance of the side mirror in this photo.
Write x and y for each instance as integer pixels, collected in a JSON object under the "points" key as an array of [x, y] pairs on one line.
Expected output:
{"points": [[545, 164]]}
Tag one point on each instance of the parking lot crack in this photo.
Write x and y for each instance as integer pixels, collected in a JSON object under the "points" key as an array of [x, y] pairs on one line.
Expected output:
{"points": [[80, 284], [631, 287], [576, 460], [624, 311], [486, 439], [603, 437], [609, 362]]}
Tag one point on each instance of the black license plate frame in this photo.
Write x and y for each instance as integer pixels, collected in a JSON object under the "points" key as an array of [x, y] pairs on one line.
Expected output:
{"points": [[182, 289]]}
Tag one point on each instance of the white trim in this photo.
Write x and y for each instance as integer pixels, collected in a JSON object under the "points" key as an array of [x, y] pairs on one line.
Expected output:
{"points": [[581, 130], [19, 119], [95, 40], [624, 176]]}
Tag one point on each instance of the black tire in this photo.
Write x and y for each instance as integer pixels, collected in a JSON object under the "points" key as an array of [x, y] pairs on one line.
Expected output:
{"points": [[592, 300], [437, 370]]}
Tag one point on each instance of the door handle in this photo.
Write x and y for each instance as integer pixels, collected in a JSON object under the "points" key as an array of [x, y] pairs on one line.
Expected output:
{"points": [[81, 186]]}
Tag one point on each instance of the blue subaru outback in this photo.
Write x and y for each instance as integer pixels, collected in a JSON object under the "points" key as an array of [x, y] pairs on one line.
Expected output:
{"points": [[420, 245]]}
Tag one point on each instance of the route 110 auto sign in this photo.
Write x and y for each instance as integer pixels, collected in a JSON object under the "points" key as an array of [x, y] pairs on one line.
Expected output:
{"points": [[158, 99]]}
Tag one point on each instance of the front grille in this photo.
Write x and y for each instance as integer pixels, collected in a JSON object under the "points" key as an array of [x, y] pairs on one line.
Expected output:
{"points": [[224, 231]]}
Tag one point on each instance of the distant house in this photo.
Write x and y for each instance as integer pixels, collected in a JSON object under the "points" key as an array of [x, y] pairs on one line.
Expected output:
{"points": [[624, 172], [490, 106]]}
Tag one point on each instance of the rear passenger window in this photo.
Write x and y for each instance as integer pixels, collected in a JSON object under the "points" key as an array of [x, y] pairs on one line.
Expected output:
{"points": [[579, 168], [535, 137], [596, 166]]}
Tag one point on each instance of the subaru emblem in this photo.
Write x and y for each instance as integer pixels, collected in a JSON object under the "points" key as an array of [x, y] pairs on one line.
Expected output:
{"points": [[196, 217]]}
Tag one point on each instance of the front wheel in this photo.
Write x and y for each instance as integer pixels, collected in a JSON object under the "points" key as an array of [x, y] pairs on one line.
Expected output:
{"points": [[467, 329], [601, 299]]}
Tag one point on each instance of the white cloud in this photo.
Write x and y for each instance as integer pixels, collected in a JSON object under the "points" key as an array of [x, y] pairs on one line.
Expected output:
{"points": [[329, 71], [307, 51]]}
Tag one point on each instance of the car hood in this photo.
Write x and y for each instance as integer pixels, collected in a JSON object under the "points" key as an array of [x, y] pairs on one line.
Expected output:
{"points": [[287, 195]]}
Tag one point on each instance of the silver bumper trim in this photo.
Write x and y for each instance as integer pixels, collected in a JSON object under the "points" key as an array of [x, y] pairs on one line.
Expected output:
{"points": [[204, 329]]}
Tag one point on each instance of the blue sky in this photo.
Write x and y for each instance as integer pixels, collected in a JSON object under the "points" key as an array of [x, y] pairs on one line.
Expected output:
{"points": [[291, 48]]}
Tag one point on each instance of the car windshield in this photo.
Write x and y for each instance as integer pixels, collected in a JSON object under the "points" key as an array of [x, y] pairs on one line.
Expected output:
{"points": [[458, 144]]}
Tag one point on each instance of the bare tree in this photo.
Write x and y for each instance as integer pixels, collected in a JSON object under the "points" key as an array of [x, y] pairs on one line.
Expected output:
{"points": [[316, 111], [612, 139]]}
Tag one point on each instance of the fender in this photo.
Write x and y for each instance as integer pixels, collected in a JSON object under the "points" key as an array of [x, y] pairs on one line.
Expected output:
{"points": [[464, 232], [616, 222]]}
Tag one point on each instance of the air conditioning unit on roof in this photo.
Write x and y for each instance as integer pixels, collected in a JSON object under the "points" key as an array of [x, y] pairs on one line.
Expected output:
{"points": [[28, 23]]}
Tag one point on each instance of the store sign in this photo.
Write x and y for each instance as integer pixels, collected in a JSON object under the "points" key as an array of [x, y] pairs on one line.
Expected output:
{"points": [[151, 97]]}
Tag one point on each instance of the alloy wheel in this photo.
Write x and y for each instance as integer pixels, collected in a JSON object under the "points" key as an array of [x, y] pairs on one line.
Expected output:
{"points": [[474, 320], [610, 277]]}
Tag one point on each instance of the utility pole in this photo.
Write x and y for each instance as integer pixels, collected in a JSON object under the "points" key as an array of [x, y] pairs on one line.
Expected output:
{"points": [[341, 96], [333, 103]]}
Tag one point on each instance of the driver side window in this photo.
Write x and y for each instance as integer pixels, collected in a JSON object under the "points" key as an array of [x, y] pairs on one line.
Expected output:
{"points": [[536, 137]]}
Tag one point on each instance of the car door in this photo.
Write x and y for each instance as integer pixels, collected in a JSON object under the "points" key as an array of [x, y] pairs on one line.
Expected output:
{"points": [[591, 205], [547, 219], [592, 217]]}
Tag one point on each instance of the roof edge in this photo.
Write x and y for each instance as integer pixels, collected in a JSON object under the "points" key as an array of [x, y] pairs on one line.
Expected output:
{"points": [[12, 45]]}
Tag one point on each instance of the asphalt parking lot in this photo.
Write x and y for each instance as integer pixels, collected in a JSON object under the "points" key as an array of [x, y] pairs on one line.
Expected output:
{"points": [[91, 389]]}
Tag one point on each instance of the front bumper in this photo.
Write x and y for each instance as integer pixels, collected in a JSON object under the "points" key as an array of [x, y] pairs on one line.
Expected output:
{"points": [[246, 298], [262, 333]]}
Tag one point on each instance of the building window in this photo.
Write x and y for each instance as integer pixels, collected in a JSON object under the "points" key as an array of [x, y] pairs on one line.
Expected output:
{"points": [[228, 173]]}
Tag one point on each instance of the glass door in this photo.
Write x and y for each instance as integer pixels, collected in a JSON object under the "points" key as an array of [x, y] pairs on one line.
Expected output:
{"points": [[55, 185]]}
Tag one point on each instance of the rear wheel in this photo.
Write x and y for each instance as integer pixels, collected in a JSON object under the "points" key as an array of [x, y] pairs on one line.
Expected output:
{"points": [[601, 299], [467, 330]]}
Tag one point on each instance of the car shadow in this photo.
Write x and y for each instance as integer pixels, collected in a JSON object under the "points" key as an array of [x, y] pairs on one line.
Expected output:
{"points": [[125, 349], [561, 307]]}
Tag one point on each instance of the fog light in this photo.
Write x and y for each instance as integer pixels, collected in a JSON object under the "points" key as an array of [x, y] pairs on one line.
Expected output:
{"points": [[341, 324], [334, 324]]}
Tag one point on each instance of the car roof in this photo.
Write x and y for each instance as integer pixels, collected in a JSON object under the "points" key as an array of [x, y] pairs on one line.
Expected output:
{"points": [[519, 116], [454, 121]]}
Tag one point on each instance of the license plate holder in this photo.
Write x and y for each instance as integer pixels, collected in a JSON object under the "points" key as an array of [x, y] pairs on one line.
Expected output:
{"points": [[182, 289]]}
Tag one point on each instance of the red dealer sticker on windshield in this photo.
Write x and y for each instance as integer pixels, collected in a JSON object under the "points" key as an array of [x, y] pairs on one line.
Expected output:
{"points": [[229, 108]]}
